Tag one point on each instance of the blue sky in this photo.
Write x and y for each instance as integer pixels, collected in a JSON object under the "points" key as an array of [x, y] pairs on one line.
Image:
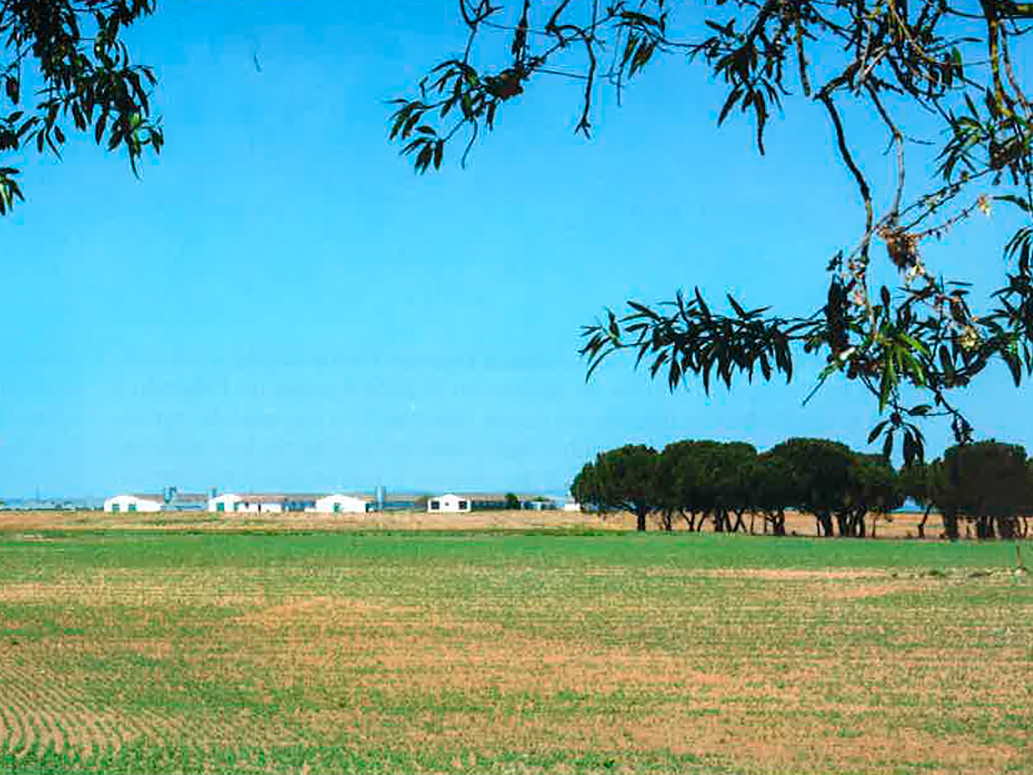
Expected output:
{"points": [[280, 303]]}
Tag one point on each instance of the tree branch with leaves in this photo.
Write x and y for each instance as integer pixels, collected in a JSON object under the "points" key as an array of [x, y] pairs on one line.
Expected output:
{"points": [[64, 66], [949, 61]]}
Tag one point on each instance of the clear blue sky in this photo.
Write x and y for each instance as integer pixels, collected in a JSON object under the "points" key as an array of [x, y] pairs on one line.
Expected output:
{"points": [[280, 303]]}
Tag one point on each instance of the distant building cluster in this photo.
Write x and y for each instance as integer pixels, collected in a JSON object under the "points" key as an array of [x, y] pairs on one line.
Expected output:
{"points": [[458, 504], [255, 503], [328, 503]]}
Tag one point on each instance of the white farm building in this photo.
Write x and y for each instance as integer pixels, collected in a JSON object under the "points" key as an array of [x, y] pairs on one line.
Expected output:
{"points": [[249, 504], [451, 504], [278, 503], [342, 504], [226, 502], [120, 503]]}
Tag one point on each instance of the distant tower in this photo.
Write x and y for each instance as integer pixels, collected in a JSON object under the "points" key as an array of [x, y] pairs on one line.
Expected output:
{"points": [[381, 496]]}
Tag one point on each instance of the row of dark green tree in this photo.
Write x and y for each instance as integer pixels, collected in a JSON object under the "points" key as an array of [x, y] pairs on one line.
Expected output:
{"points": [[985, 486]]}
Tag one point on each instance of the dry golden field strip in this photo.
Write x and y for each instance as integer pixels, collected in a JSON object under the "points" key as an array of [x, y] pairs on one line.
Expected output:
{"points": [[898, 526], [147, 651]]}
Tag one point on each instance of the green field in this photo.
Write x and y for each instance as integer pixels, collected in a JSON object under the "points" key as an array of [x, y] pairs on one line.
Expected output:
{"points": [[423, 652]]}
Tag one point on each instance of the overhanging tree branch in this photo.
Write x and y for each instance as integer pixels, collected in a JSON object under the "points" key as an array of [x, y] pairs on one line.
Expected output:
{"points": [[892, 60]]}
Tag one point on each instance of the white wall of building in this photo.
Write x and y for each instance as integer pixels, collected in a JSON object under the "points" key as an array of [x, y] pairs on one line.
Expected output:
{"points": [[228, 501], [341, 504], [572, 507], [131, 503], [451, 504], [241, 504]]}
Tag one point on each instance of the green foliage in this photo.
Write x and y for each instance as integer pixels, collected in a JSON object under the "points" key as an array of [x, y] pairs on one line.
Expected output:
{"points": [[723, 481], [70, 58], [838, 486], [585, 487], [774, 486], [916, 482], [987, 483], [877, 487], [874, 488], [820, 476], [512, 501], [621, 478], [705, 479], [730, 483], [911, 347], [680, 482]]}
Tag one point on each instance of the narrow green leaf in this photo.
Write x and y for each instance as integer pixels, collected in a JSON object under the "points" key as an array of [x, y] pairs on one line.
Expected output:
{"points": [[876, 431], [733, 98]]}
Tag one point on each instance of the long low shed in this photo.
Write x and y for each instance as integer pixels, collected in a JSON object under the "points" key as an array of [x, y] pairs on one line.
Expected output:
{"points": [[277, 503], [249, 503], [121, 503], [342, 504], [449, 503]]}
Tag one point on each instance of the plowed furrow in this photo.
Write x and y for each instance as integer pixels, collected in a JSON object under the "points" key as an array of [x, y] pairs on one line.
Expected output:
{"points": [[19, 708]]}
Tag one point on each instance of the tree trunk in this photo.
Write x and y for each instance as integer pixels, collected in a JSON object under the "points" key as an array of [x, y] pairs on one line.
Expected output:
{"points": [[843, 522], [641, 526], [739, 524], [1006, 528], [778, 527], [985, 528], [950, 525], [824, 524], [925, 517]]}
